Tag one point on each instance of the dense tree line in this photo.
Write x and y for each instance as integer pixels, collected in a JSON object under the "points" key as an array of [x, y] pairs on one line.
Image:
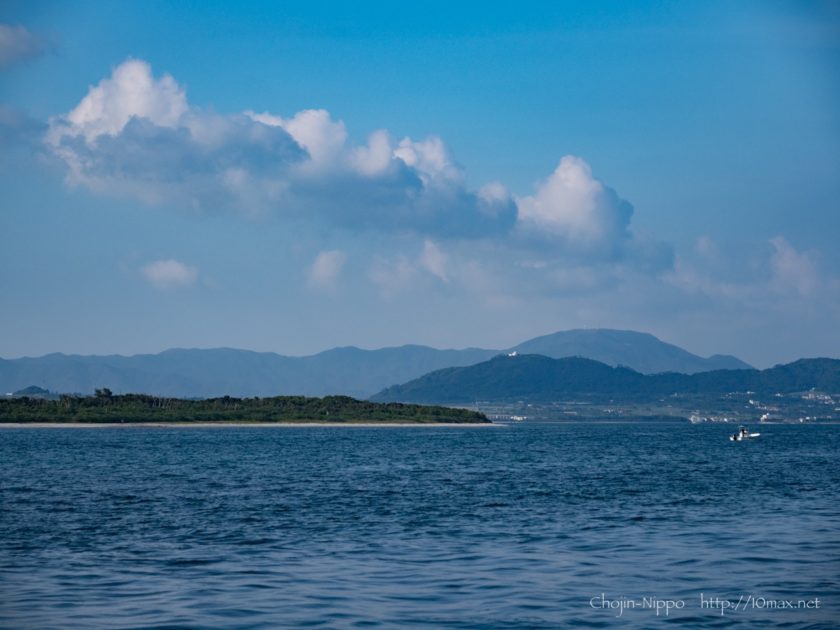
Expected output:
{"points": [[106, 407]]}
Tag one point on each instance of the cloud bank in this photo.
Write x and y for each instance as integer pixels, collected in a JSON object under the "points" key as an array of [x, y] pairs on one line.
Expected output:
{"points": [[136, 135]]}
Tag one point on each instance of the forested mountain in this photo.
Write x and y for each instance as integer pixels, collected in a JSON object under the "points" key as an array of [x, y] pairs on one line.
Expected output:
{"points": [[540, 379]]}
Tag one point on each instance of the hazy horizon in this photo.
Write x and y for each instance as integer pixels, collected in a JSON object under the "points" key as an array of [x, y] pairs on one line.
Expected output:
{"points": [[490, 346]]}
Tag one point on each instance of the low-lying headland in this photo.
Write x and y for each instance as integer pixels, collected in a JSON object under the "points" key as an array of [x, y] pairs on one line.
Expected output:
{"points": [[104, 408]]}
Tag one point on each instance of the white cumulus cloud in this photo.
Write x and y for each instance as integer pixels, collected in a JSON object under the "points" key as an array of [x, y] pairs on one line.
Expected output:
{"points": [[169, 274], [576, 209], [431, 159], [136, 135], [131, 92], [314, 130], [373, 158]]}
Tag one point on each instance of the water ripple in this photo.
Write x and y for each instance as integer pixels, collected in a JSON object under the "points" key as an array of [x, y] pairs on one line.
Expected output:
{"points": [[433, 528]]}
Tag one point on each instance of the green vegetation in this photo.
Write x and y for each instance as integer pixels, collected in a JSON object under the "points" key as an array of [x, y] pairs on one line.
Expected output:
{"points": [[106, 407], [536, 378]]}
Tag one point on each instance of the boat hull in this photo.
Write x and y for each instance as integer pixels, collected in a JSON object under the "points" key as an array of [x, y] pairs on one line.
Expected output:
{"points": [[741, 438]]}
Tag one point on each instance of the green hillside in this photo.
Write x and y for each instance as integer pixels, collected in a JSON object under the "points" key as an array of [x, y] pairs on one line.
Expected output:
{"points": [[539, 378]]}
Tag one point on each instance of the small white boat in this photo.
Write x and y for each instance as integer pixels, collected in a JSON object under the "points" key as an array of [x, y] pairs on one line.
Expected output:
{"points": [[743, 434]]}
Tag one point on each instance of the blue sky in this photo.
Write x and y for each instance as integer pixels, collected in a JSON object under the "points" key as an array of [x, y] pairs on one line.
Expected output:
{"points": [[291, 177]]}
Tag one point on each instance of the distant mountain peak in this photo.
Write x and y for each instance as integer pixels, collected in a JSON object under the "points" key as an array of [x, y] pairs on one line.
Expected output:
{"points": [[640, 351]]}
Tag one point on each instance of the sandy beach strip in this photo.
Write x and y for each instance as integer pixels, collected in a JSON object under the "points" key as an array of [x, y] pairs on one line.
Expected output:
{"points": [[207, 425]]}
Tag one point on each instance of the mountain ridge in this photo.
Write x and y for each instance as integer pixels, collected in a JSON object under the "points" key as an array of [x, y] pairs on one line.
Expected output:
{"points": [[347, 370], [537, 378]]}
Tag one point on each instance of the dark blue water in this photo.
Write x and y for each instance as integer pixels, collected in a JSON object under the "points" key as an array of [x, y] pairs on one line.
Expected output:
{"points": [[501, 527]]}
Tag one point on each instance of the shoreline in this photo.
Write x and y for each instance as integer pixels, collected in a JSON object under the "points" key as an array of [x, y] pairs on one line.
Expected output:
{"points": [[206, 425]]}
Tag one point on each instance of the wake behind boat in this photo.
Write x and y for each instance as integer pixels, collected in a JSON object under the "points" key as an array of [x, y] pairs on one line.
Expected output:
{"points": [[743, 434]]}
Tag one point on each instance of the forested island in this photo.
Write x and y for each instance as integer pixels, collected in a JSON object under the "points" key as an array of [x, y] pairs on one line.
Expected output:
{"points": [[105, 407]]}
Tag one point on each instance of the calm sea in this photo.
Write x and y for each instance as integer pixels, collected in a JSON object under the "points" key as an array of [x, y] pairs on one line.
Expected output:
{"points": [[527, 526]]}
